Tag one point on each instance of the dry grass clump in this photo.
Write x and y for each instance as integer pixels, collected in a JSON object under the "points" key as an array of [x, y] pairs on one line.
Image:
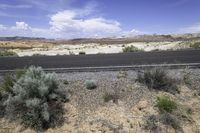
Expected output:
{"points": [[158, 80]]}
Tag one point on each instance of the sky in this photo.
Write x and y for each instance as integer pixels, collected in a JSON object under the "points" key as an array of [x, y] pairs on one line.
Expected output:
{"points": [[97, 18]]}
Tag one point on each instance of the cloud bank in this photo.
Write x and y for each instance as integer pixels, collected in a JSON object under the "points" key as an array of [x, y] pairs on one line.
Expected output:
{"points": [[71, 23]]}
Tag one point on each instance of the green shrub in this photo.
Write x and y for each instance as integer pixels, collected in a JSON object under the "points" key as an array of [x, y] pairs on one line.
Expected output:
{"points": [[90, 84], [131, 49], [36, 100], [82, 53], [6, 88], [165, 103], [19, 73], [7, 84], [7, 53], [9, 80], [158, 79]]}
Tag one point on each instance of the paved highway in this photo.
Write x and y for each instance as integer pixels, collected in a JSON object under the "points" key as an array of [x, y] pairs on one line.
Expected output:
{"points": [[102, 60]]}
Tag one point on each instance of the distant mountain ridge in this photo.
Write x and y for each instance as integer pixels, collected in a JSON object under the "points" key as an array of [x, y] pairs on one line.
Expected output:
{"points": [[138, 38], [19, 38], [112, 40]]}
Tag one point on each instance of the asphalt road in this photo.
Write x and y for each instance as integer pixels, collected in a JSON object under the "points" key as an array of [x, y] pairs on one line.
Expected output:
{"points": [[100, 60]]}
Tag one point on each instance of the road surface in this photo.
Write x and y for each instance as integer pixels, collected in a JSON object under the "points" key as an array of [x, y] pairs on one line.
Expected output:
{"points": [[102, 60]]}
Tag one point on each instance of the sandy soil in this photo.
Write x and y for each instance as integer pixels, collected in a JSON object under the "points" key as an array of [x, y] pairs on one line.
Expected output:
{"points": [[87, 112], [94, 48]]}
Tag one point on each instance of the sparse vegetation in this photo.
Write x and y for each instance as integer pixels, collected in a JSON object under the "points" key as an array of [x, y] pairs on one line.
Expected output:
{"points": [[151, 123], [165, 103], [71, 53], [90, 84], [169, 119], [7, 84], [66, 82], [158, 80], [166, 106], [38, 55], [186, 78], [189, 111], [34, 99], [122, 74], [195, 44], [7, 53], [117, 98], [131, 49], [9, 80]]}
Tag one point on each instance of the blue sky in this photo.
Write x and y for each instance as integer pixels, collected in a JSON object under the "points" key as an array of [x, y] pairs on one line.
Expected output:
{"points": [[97, 18]]}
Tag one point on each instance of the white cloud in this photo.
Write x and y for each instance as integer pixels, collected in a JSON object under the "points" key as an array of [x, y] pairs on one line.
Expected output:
{"points": [[134, 31], [23, 29], [21, 26], [94, 27], [71, 21], [191, 29]]}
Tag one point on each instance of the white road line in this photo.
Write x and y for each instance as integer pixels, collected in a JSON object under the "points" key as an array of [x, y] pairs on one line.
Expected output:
{"points": [[116, 68]]}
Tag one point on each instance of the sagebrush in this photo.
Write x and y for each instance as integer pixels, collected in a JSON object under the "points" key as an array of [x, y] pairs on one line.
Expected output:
{"points": [[36, 100], [9, 80]]}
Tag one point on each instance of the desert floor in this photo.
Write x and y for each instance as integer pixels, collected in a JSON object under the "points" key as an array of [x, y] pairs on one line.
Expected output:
{"points": [[88, 112], [36, 48]]}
